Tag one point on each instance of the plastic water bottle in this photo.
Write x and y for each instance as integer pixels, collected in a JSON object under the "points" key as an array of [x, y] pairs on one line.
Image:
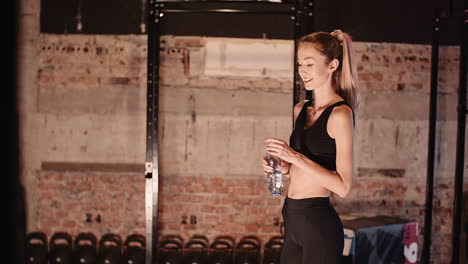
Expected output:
{"points": [[275, 178]]}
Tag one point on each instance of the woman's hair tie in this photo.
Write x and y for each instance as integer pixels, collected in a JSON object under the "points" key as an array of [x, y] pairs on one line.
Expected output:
{"points": [[338, 34]]}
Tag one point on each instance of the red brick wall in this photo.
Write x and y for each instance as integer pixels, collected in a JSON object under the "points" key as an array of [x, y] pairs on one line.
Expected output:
{"points": [[234, 206], [66, 199]]}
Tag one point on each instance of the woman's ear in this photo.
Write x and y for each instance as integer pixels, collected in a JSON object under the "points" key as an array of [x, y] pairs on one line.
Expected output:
{"points": [[333, 65]]}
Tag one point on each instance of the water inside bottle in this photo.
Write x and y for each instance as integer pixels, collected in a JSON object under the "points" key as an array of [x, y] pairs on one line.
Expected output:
{"points": [[275, 178]]}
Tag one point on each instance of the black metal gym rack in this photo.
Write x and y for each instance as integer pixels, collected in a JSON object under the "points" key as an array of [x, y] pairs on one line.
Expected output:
{"points": [[462, 111], [461, 126], [301, 14], [431, 139]]}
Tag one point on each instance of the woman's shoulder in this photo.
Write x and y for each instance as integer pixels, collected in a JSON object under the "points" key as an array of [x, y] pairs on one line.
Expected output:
{"points": [[341, 111], [299, 105], [341, 117], [297, 109], [344, 107]]}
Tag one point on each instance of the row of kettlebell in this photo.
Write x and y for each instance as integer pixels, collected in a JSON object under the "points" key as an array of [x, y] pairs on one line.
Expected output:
{"points": [[84, 249], [171, 250], [223, 250]]}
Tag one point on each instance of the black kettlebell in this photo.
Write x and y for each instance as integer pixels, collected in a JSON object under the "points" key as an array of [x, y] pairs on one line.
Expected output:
{"points": [[196, 250], [221, 251], [85, 249], [110, 249], [134, 250], [61, 246], [272, 250], [36, 248], [247, 251], [170, 250]]}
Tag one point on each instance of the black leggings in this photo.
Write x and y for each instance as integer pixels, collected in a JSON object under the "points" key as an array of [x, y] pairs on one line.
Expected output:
{"points": [[313, 232]]}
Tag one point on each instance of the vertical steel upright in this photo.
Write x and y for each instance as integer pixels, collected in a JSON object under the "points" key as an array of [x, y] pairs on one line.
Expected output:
{"points": [[151, 164], [304, 24], [461, 125], [144, 16], [426, 253]]}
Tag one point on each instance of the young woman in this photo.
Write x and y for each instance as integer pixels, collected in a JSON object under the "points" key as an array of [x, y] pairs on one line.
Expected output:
{"points": [[319, 158]]}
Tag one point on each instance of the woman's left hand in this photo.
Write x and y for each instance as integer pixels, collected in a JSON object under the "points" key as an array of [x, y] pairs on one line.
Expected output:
{"points": [[281, 149]]}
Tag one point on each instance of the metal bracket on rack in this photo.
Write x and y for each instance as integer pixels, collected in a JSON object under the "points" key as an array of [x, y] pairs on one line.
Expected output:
{"points": [[148, 169]]}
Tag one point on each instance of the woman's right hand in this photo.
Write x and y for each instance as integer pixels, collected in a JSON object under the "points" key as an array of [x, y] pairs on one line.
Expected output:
{"points": [[283, 166], [266, 168]]}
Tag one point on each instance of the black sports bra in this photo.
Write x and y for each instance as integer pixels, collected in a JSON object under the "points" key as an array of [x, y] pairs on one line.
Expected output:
{"points": [[315, 142]]}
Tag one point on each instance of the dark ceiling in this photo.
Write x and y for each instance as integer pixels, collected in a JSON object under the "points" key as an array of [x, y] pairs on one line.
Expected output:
{"points": [[366, 20]]}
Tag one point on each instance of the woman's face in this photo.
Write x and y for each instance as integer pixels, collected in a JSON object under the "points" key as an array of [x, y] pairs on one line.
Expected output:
{"points": [[313, 66]]}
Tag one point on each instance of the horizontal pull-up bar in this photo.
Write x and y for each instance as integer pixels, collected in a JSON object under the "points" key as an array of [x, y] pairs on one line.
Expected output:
{"points": [[222, 2], [237, 11], [238, 7]]}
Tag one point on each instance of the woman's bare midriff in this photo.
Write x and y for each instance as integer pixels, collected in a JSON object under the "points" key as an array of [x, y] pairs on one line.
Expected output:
{"points": [[303, 186]]}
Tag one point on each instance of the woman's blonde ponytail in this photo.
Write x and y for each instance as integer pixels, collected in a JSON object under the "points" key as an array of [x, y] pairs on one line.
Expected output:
{"points": [[347, 76]]}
